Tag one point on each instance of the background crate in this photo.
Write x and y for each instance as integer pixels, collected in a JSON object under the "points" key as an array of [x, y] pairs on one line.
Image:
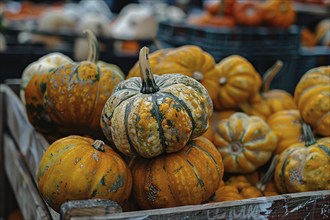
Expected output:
{"points": [[262, 46]]}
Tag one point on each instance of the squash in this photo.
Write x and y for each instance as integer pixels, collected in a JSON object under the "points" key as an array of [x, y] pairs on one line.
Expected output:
{"points": [[187, 177], [307, 38], [215, 7], [248, 13], [304, 166], [312, 98], [279, 13], [234, 82], [268, 101], [192, 61], [76, 92], [78, 168], [155, 114], [322, 32], [41, 66], [245, 142], [287, 124]]}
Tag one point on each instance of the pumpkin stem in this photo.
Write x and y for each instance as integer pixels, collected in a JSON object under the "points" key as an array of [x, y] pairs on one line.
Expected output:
{"points": [[265, 179], [270, 74], [222, 81], [198, 75], [98, 145], [148, 81], [236, 147], [93, 54], [221, 9], [308, 135]]}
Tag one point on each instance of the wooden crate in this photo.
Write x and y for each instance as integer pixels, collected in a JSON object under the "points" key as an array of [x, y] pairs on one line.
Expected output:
{"points": [[22, 149]]}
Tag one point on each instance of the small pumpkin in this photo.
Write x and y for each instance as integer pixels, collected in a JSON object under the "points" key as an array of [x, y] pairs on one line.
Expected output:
{"points": [[279, 13], [248, 13], [304, 166], [187, 177], [245, 142], [322, 32], [224, 7], [43, 65], [312, 98], [308, 38], [234, 82], [287, 124], [76, 92], [155, 114], [78, 168]]}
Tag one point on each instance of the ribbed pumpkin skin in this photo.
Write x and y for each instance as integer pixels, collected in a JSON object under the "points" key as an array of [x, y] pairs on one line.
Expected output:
{"points": [[164, 121], [279, 100], [312, 97], [76, 94], [300, 168], [187, 177], [236, 81], [245, 142], [72, 169], [279, 13], [287, 125], [34, 92]]}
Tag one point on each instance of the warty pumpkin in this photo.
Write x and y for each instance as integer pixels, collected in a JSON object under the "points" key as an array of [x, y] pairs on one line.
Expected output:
{"points": [[245, 142], [234, 82], [287, 124], [78, 168], [43, 65], [304, 166], [312, 95], [187, 177], [155, 114], [76, 92], [279, 13]]}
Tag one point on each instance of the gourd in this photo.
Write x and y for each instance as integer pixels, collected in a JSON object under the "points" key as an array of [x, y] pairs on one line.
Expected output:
{"points": [[245, 142], [76, 92], [322, 32], [279, 13], [248, 13], [78, 168], [187, 177], [287, 124], [43, 65], [234, 82], [312, 98], [155, 114], [304, 166]]}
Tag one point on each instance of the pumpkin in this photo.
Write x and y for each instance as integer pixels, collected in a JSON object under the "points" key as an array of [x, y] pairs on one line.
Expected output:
{"points": [[43, 65], [78, 168], [312, 98], [234, 82], [304, 166], [287, 125], [248, 13], [245, 142], [279, 13], [308, 38], [224, 7], [192, 61], [155, 114], [268, 101], [76, 92], [154, 59], [322, 32], [187, 177], [220, 21]]}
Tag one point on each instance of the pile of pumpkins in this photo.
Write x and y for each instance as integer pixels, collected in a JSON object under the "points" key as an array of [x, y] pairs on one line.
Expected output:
{"points": [[168, 133]]}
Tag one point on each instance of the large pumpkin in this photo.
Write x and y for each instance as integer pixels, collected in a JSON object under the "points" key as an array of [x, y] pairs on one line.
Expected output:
{"points": [[43, 65], [155, 114], [78, 168], [245, 142], [287, 125], [312, 97], [187, 177], [76, 92], [304, 166], [235, 81]]}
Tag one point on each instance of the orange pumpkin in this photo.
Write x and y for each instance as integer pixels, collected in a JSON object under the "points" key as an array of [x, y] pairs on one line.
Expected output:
{"points": [[279, 13], [287, 125], [312, 98], [248, 13], [245, 142], [187, 177], [78, 168], [308, 39], [224, 7]]}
